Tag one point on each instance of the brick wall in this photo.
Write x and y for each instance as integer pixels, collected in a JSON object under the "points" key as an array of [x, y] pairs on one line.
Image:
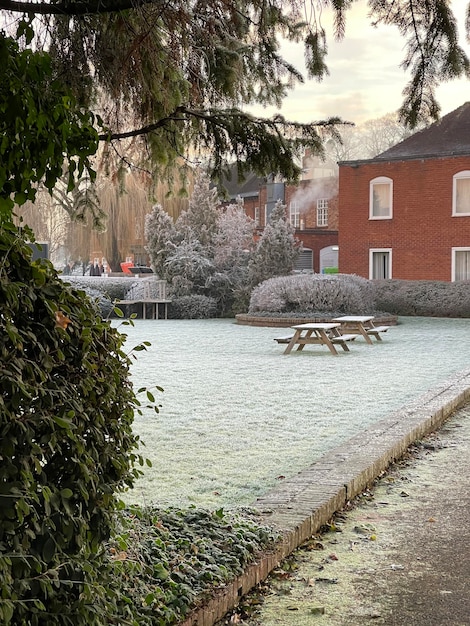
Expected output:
{"points": [[422, 230]]}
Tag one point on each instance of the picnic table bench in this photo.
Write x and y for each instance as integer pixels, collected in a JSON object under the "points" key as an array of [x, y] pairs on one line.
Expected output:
{"points": [[363, 325], [317, 333]]}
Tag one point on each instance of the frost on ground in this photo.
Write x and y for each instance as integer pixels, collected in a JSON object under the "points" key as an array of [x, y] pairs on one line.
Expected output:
{"points": [[237, 415], [398, 556]]}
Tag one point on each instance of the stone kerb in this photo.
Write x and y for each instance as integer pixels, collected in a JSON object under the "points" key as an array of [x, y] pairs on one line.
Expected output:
{"points": [[302, 504]]}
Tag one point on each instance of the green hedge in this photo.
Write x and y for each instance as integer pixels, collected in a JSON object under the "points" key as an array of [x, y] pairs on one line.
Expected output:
{"points": [[66, 444]]}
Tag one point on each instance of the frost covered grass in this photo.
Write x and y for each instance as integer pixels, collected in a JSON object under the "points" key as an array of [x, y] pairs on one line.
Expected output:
{"points": [[237, 414]]}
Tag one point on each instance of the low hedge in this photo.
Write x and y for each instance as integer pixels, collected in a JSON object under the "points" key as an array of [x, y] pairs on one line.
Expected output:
{"points": [[427, 298]]}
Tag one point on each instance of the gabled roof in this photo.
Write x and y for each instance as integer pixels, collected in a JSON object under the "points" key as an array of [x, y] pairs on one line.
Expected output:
{"points": [[245, 189], [450, 136]]}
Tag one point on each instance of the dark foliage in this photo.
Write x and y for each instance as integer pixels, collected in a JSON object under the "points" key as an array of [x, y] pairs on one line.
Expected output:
{"points": [[66, 444]]}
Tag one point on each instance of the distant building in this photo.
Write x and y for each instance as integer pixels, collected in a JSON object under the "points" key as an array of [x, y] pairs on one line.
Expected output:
{"points": [[311, 206], [406, 213]]}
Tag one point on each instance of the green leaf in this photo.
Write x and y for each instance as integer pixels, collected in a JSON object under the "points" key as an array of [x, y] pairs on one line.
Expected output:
{"points": [[62, 422], [149, 598]]}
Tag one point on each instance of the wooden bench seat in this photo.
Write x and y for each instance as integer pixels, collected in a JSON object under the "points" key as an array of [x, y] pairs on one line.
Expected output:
{"points": [[283, 339], [378, 329], [343, 338]]}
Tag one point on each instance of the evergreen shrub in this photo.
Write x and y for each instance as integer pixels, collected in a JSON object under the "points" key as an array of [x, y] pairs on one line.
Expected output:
{"points": [[66, 444], [194, 307], [430, 298], [313, 293]]}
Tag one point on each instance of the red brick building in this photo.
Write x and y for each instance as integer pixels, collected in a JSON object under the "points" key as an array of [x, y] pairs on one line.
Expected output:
{"points": [[311, 206], [406, 213]]}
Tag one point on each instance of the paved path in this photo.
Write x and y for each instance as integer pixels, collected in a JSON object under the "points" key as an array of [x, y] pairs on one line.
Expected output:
{"points": [[399, 557]]}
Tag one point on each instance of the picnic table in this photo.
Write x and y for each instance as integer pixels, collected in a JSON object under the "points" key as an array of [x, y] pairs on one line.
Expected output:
{"points": [[327, 334], [362, 325]]}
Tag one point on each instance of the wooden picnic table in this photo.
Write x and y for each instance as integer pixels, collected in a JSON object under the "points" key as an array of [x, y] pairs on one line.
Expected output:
{"points": [[361, 324], [326, 334]]}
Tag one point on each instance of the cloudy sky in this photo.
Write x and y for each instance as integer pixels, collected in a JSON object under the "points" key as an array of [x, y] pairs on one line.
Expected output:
{"points": [[365, 80]]}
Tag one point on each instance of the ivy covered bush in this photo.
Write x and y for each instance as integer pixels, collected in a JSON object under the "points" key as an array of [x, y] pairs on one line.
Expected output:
{"points": [[66, 444], [313, 293], [168, 562], [429, 298]]}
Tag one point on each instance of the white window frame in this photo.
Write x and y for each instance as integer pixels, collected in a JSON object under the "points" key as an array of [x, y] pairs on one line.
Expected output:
{"points": [[256, 216], [322, 212], [454, 264], [294, 213], [372, 251], [465, 174], [380, 180]]}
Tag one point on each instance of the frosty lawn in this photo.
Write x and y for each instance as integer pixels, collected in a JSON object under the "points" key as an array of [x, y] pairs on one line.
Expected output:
{"points": [[237, 415]]}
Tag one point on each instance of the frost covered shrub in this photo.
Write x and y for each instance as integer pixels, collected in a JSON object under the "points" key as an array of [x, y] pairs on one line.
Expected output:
{"points": [[313, 293], [111, 288], [430, 298], [101, 289], [194, 307]]}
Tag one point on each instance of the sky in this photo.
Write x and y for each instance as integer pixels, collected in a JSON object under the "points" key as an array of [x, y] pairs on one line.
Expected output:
{"points": [[365, 80]]}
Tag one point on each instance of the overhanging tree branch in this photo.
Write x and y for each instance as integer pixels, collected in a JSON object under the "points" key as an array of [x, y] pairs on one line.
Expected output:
{"points": [[73, 8]]}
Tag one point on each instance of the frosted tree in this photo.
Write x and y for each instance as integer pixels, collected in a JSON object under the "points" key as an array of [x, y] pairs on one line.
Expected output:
{"points": [[234, 237], [200, 220], [160, 234], [277, 249], [188, 268], [233, 248]]}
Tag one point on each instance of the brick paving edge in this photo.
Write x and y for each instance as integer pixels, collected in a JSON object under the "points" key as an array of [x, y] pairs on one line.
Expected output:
{"points": [[305, 502]]}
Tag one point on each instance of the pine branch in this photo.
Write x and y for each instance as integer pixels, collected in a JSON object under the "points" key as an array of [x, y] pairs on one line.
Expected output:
{"points": [[66, 7]]}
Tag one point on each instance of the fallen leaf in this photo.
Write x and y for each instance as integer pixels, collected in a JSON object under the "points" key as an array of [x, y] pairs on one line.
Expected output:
{"points": [[61, 320], [317, 610], [330, 581]]}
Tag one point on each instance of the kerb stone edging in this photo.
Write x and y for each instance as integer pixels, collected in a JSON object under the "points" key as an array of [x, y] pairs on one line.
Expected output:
{"points": [[305, 502]]}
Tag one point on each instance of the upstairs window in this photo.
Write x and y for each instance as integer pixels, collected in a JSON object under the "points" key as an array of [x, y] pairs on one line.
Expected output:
{"points": [[461, 193], [294, 214], [381, 198], [322, 212]]}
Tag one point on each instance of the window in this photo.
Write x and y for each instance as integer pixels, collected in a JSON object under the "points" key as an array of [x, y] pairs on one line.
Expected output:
{"points": [[380, 263], [322, 212], [257, 216], [461, 193], [294, 214], [460, 264], [380, 199]]}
